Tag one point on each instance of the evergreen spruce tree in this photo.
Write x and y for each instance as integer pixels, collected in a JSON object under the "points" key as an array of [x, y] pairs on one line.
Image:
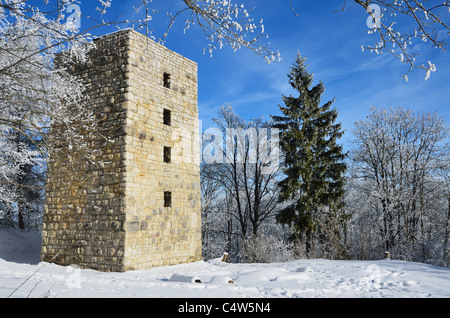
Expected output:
{"points": [[313, 161]]}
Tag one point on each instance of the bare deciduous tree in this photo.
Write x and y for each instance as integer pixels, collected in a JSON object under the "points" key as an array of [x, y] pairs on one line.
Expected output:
{"points": [[245, 176]]}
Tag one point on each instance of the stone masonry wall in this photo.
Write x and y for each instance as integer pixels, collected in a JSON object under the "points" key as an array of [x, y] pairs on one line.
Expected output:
{"points": [[112, 215], [84, 208], [158, 235]]}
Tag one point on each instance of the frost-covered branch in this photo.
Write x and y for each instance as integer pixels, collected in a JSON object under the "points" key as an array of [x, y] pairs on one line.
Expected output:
{"points": [[400, 24], [34, 95], [226, 23]]}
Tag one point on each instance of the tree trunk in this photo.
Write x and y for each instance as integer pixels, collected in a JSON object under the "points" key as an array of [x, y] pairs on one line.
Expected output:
{"points": [[21, 212], [447, 233]]}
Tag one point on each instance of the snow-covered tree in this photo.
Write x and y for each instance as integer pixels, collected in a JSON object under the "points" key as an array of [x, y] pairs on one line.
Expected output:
{"points": [[398, 170], [34, 95]]}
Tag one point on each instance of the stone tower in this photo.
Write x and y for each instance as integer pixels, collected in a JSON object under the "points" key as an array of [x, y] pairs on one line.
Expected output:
{"points": [[138, 206]]}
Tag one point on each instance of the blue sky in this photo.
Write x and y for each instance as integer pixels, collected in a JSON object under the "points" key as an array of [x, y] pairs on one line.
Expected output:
{"points": [[331, 42]]}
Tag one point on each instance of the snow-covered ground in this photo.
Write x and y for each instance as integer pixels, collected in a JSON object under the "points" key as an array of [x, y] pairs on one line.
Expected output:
{"points": [[22, 275]]}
